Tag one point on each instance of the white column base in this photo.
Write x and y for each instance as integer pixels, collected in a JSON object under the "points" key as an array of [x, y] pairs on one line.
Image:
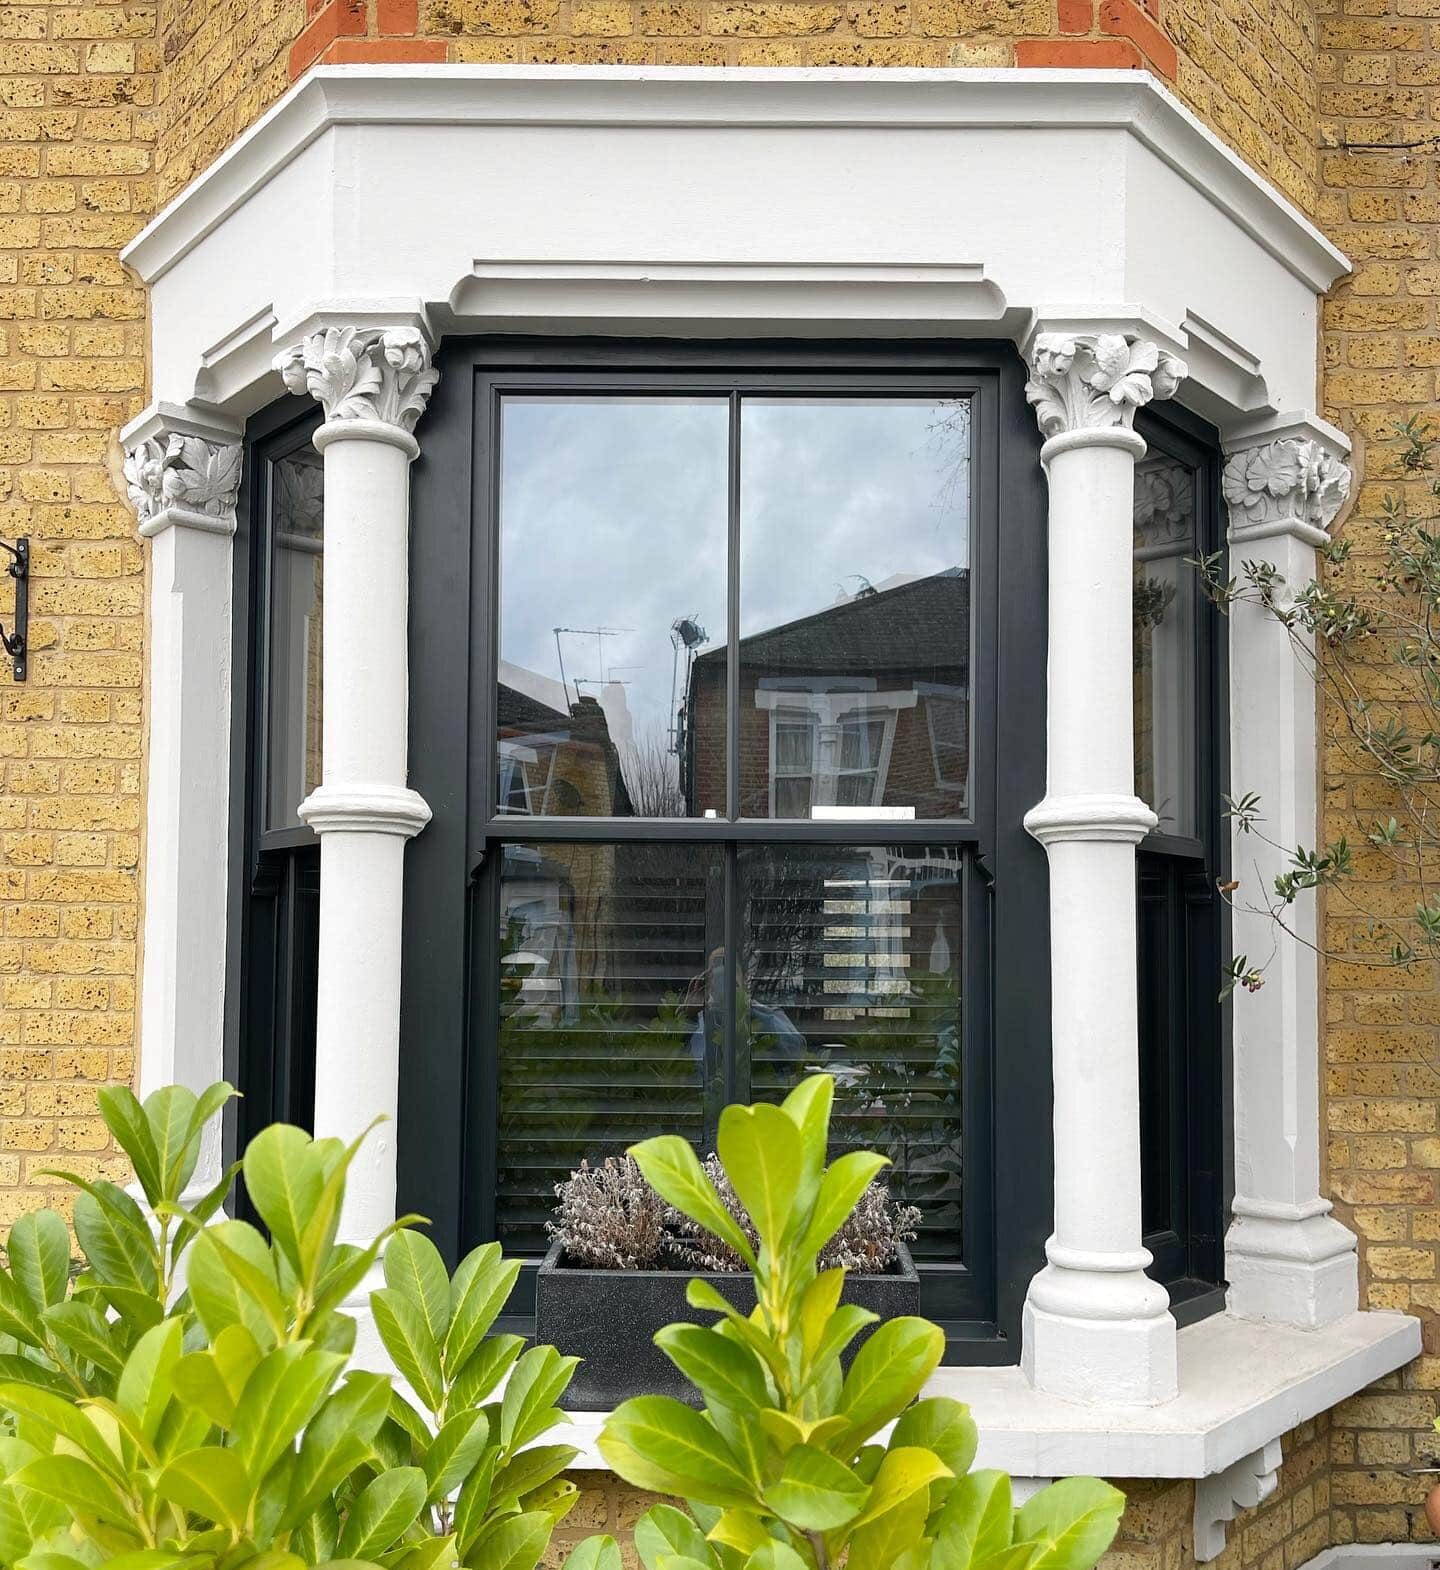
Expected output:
{"points": [[1290, 1265], [1098, 1335]]}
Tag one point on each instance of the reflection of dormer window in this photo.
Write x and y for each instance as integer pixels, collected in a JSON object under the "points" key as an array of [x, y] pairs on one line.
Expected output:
{"points": [[829, 749]]}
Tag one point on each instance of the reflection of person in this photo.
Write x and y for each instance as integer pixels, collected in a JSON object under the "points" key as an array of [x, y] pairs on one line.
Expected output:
{"points": [[704, 993]]}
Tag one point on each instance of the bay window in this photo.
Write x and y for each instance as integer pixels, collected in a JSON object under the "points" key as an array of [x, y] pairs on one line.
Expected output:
{"points": [[728, 697]]}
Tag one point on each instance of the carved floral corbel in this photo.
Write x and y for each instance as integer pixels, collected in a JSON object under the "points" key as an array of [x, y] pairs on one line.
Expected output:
{"points": [[1096, 381], [363, 373]]}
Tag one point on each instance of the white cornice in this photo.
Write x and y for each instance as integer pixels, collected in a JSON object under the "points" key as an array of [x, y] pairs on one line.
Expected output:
{"points": [[1126, 101]]}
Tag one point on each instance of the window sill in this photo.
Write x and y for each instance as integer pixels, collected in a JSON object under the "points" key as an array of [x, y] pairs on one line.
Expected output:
{"points": [[1242, 1384]]}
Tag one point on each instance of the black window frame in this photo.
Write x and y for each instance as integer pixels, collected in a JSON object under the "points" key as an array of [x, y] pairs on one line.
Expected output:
{"points": [[273, 904], [451, 884], [1185, 1036]]}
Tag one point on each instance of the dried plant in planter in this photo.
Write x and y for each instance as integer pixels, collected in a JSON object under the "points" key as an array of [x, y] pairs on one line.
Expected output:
{"points": [[609, 1217], [868, 1242]]}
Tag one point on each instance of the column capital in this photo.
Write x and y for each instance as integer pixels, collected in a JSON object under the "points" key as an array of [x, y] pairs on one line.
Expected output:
{"points": [[372, 382], [1288, 479], [1086, 386], [181, 470]]}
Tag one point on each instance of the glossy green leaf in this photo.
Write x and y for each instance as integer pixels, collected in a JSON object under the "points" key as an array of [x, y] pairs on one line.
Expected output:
{"points": [[515, 1543], [595, 1553], [904, 1471], [115, 1238], [472, 1503], [208, 1205], [83, 1489], [526, 1472], [281, 1396], [81, 1328], [386, 1508], [147, 1380], [1071, 1523], [337, 1441], [880, 1542], [38, 1253], [940, 1424], [453, 1452], [671, 1167], [656, 1442], [413, 1266], [211, 1482], [431, 1553], [480, 1288], [844, 1182], [888, 1372], [408, 1340], [726, 1373], [774, 1556], [169, 1111], [665, 1530], [484, 1370], [219, 1295], [19, 1316], [537, 1382], [284, 1179], [814, 1491], [764, 1160], [976, 1521], [214, 1380], [54, 1416], [126, 1120]]}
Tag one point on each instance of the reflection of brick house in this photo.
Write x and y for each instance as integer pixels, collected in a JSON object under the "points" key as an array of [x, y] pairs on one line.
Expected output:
{"points": [[556, 764], [814, 734]]}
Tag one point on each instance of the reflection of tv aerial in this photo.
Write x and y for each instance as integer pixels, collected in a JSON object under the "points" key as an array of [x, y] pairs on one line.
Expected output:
{"points": [[685, 633], [599, 634]]}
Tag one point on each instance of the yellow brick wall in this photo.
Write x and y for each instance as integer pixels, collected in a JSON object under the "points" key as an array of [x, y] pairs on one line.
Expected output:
{"points": [[1380, 84], [76, 181], [106, 110]]}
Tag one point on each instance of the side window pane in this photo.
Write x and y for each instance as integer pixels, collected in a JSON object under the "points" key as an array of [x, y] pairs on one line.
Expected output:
{"points": [[610, 964], [613, 534], [852, 963], [854, 605], [297, 563], [1165, 614]]}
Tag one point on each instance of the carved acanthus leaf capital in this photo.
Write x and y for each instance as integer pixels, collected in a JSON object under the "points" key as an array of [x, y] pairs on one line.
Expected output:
{"points": [[363, 373], [189, 472], [1284, 483], [1096, 381]]}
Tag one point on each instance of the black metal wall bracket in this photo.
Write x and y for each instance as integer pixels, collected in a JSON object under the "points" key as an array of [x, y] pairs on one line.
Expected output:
{"points": [[14, 641]]}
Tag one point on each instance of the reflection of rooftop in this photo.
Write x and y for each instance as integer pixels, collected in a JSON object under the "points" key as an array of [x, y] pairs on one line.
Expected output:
{"points": [[880, 630]]}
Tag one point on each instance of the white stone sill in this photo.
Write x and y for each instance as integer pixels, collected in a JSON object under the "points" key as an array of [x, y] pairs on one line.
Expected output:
{"points": [[1242, 1384]]}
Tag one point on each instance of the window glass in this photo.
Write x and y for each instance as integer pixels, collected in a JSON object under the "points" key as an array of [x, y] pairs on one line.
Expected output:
{"points": [[613, 538], [610, 967], [852, 964], [854, 607], [1166, 606], [297, 562]]}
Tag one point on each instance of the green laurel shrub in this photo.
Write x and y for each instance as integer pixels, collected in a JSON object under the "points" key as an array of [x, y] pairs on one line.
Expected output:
{"points": [[217, 1426], [787, 1466]]}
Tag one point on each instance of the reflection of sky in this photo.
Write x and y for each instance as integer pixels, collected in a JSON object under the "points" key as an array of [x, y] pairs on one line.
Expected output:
{"points": [[613, 514], [835, 492]]}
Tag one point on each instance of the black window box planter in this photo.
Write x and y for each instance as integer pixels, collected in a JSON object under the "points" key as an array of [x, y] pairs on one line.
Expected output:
{"points": [[609, 1318]]}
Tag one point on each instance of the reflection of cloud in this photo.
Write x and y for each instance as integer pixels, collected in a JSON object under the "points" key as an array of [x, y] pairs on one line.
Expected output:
{"points": [[845, 490], [613, 514]]}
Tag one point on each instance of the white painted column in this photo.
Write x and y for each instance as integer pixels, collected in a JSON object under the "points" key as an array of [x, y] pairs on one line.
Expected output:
{"points": [[1287, 1258], [183, 474], [1095, 1327], [374, 384]]}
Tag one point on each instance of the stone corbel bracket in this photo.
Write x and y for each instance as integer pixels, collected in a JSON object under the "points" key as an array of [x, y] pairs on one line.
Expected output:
{"points": [[180, 469], [1285, 476], [1243, 1485]]}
